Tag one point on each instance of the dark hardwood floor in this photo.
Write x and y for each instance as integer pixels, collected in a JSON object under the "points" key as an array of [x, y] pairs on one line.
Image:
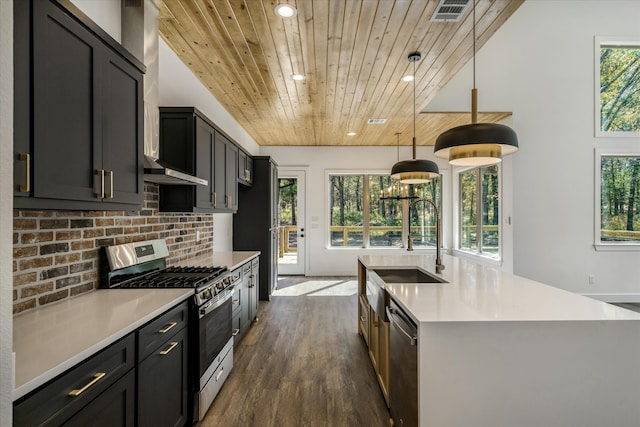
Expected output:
{"points": [[301, 364]]}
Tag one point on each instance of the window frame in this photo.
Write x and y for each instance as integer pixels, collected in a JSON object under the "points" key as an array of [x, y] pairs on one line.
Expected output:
{"points": [[598, 244], [599, 42], [486, 257]]}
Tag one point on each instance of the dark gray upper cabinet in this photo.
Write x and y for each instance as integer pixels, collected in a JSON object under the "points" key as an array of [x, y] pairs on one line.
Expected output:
{"points": [[186, 144], [80, 144], [245, 168], [190, 143]]}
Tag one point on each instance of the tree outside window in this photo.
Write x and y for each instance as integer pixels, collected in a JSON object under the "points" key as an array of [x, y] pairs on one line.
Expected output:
{"points": [[361, 217], [619, 88], [480, 211], [619, 199]]}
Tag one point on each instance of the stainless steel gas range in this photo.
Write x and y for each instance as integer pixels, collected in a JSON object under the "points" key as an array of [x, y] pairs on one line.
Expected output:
{"points": [[143, 265]]}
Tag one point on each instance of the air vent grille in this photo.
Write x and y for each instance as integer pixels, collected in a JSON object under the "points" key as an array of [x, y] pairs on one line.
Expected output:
{"points": [[450, 10], [376, 121]]}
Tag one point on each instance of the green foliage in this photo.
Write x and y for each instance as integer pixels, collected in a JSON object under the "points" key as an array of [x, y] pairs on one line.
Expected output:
{"points": [[620, 196], [620, 89]]}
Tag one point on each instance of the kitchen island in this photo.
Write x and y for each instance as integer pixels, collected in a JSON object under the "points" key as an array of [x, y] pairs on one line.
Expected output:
{"points": [[495, 349]]}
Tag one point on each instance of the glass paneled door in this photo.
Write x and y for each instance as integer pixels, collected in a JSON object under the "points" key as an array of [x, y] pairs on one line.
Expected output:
{"points": [[292, 219]]}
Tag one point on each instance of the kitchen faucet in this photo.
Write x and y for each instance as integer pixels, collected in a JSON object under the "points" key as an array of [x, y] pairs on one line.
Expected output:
{"points": [[439, 265]]}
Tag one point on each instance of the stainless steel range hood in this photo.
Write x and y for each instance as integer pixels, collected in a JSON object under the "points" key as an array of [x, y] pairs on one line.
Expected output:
{"points": [[155, 171], [140, 37]]}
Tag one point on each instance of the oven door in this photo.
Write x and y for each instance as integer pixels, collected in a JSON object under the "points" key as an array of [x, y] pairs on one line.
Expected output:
{"points": [[214, 329]]}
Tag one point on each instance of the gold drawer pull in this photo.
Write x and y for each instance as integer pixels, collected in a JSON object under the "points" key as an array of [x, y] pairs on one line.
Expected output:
{"points": [[165, 352], [25, 188], [97, 377], [168, 328], [235, 332]]}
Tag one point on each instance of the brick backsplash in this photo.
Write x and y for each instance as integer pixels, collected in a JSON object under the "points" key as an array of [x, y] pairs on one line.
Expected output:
{"points": [[58, 254]]}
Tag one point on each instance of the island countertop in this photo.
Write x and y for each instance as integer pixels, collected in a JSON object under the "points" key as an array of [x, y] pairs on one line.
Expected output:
{"points": [[476, 292]]}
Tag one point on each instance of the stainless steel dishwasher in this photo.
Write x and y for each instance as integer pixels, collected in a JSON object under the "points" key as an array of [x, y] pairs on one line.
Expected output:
{"points": [[403, 367]]}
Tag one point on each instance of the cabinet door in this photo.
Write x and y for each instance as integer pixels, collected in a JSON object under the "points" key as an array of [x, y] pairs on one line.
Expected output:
{"points": [[162, 384], [204, 163], [245, 297], [66, 120], [220, 172], [21, 105], [249, 169], [242, 166], [122, 131], [113, 407], [232, 176], [253, 289]]}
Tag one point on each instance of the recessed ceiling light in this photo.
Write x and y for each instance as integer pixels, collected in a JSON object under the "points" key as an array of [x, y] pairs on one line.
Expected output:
{"points": [[298, 77], [408, 78], [351, 134], [285, 11]]}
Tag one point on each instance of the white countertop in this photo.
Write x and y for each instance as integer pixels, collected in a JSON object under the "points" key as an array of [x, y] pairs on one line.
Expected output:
{"points": [[476, 292], [52, 339], [232, 260]]}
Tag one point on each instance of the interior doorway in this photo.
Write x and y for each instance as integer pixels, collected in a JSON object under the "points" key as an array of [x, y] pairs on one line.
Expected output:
{"points": [[291, 202]]}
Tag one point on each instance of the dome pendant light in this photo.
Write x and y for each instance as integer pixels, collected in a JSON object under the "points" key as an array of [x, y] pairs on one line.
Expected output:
{"points": [[476, 144], [414, 171]]}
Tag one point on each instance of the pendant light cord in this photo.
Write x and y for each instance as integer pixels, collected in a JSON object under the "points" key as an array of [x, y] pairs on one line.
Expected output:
{"points": [[414, 109], [474, 43]]}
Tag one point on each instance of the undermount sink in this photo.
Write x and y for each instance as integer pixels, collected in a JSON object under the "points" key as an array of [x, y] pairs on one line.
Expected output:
{"points": [[406, 275]]}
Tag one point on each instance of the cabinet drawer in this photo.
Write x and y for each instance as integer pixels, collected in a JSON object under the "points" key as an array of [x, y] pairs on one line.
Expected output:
{"points": [[57, 401], [235, 275], [159, 330], [255, 263]]}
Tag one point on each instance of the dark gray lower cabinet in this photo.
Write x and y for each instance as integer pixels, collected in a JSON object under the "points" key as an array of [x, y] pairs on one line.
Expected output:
{"points": [[113, 407], [89, 390], [162, 384], [162, 369], [110, 389]]}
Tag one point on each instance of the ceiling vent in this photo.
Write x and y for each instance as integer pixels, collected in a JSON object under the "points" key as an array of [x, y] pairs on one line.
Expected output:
{"points": [[376, 121], [450, 10]]}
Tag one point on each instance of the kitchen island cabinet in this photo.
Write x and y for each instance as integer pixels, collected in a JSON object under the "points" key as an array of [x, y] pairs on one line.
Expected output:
{"points": [[79, 111], [501, 350]]}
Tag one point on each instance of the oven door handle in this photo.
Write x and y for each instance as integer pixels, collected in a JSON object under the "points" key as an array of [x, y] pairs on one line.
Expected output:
{"points": [[210, 306]]}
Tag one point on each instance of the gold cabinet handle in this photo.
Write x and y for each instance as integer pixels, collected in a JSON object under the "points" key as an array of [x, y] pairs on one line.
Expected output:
{"points": [[110, 194], [100, 194], [235, 332], [235, 301], [168, 328], [25, 188], [363, 319], [165, 352], [97, 377], [214, 199]]}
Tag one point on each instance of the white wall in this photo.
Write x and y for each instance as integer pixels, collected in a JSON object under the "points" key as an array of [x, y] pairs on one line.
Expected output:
{"points": [[540, 65], [6, 215]]}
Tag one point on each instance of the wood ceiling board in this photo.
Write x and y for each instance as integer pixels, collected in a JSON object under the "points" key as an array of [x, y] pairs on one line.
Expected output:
{"points": [[353, 52]]}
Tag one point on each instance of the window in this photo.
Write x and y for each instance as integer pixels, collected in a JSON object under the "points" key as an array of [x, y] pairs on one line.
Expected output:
{"points": [[479, 215], [617, 87], [360, 218], [617, 200]]}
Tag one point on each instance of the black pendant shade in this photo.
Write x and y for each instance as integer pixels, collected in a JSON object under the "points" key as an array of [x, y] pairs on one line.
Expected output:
{"points": [[414, 171], [476, 144]]}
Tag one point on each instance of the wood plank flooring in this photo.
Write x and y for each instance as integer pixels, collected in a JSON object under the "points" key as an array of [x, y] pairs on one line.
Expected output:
{"points": [[302, 364]]}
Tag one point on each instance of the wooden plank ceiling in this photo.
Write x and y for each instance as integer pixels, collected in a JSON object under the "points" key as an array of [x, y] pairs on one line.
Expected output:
{"points": [[352, 52]]}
